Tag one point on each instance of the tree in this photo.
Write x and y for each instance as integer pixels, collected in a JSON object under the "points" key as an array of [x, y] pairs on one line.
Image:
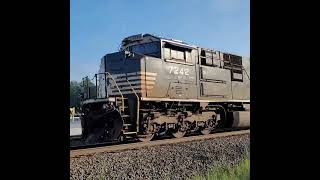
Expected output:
{"points": [[75, 92]]}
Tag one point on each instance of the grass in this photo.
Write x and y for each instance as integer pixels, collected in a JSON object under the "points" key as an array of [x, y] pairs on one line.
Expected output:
{"points": [[238, 172]]}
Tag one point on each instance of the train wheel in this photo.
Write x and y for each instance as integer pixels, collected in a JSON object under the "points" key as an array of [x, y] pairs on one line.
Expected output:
{"points": [[205, 131], [210, 125], [181, 131], [145, 138], [179, 134], [147, 130]]}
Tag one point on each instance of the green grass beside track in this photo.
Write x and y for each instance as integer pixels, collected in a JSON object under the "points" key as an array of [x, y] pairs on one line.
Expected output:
{"points": [[239, 172]]}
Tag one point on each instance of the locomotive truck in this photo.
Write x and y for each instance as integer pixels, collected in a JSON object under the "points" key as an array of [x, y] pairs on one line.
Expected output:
{"points": [[155, 86]]}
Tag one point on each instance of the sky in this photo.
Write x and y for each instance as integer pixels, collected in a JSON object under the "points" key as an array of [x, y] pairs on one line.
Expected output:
{"points": [[97, 27]]}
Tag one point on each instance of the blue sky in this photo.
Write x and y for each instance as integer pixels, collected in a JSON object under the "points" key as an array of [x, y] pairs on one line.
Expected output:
{"points": [[98, 26]]}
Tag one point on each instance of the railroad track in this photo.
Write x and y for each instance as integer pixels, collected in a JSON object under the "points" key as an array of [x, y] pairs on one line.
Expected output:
{"points": [[82, 146], [137, 145]]}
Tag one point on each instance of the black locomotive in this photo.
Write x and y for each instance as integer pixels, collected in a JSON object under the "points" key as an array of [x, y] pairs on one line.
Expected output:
{"points": [[155, 86]]}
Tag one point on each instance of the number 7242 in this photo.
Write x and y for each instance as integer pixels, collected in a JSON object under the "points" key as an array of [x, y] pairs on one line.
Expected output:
{"points": [[176, 70]]}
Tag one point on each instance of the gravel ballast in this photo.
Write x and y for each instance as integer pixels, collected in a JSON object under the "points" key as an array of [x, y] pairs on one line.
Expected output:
{"points": [[174, 161]]}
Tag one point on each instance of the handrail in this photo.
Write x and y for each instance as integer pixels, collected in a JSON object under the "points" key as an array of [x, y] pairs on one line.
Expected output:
{"points": [[138, 105], [122, 99], [245, 72]]}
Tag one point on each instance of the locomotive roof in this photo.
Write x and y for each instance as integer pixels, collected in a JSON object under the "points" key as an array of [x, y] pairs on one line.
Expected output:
{"points": [[141, 36], [137, 37]]}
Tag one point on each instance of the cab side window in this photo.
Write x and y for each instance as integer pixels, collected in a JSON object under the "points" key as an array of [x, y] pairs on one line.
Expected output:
{"points": [[210, 58], [234, 63], [177, 53]]}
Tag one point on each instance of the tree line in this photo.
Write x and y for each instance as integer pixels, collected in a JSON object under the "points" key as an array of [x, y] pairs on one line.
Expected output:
{"points": [[77, 90]]}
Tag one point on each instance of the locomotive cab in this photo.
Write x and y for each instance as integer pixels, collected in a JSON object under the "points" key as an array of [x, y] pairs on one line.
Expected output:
{"points": [[142, 44]]}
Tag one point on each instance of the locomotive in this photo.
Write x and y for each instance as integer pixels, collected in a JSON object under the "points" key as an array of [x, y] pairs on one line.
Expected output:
{"points": [[155, 86]]}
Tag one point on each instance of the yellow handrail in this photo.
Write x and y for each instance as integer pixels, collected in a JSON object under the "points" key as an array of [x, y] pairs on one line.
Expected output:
{"points": [[138, 104], [122, 99]]}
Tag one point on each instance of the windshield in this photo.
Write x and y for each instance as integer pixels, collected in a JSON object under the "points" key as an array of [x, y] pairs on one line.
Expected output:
{"points": [[149, 49]]}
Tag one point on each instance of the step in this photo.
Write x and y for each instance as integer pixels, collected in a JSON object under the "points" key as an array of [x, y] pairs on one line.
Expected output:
{"points": [[120, 104], [125, 115], [124, 106], [130, 133], [119, 98], [127, 124]]}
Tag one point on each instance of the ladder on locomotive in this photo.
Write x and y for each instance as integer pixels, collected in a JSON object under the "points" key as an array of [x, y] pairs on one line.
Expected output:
{"points": [[123, 107]]}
